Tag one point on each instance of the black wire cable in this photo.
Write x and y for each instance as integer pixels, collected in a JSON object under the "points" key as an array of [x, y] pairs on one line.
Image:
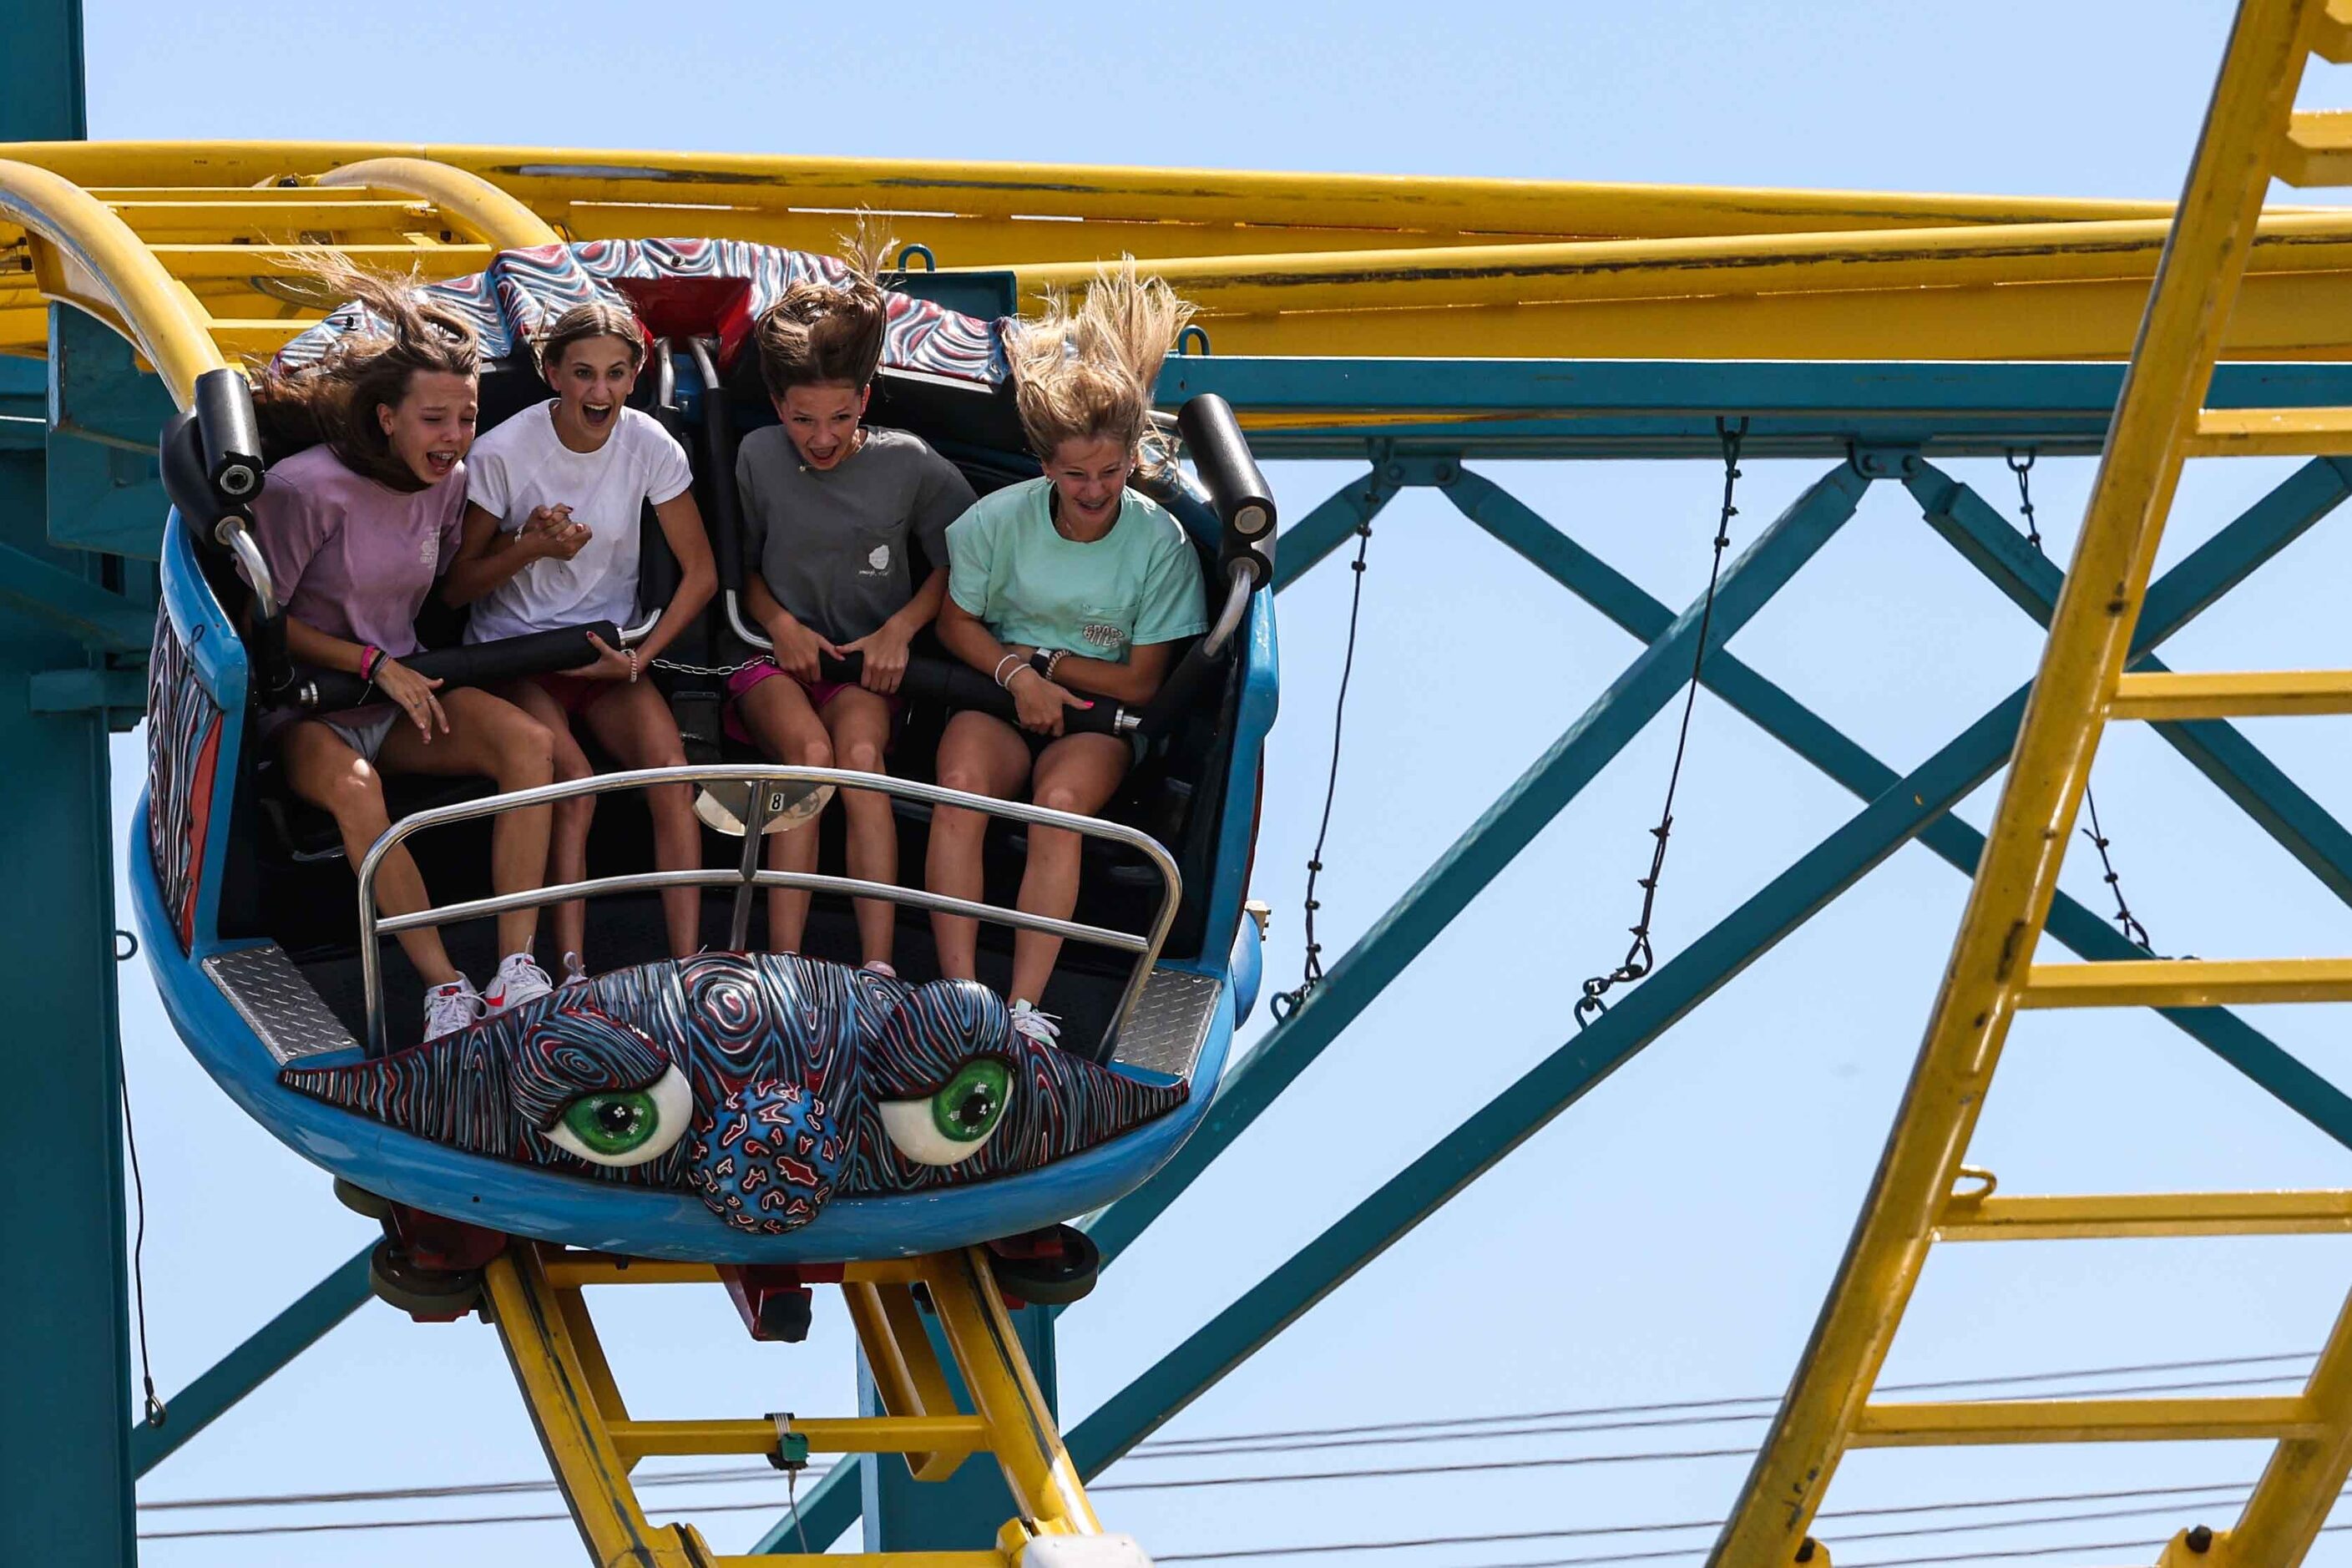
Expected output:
{"points": [[1232, 1444], [1639, 957], [2134, 932], [154, 1411], [1283, 1004]]}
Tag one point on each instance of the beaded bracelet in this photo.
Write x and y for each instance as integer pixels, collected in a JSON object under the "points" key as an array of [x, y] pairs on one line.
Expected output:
{"points": [[633, 665]]}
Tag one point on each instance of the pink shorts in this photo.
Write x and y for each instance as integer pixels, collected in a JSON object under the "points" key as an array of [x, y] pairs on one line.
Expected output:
{"points": [[820, 692]]}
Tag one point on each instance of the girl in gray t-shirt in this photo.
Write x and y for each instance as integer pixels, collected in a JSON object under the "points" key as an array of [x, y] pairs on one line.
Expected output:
{"points": [[832, 509]]}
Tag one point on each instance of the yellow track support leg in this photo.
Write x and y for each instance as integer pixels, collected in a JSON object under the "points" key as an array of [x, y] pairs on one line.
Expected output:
{"points": [[1919, 1186], [593, 1442]]}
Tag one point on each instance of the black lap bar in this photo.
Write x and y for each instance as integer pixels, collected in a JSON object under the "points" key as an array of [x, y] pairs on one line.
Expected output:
{"points": [[960, 686], [467, 664]]}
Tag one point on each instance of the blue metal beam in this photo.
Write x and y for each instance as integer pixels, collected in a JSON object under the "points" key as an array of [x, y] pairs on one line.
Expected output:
{"points": [[1508, 826], [1645, 408], [253, 1363], [1306, 541], [66, 602], [1789, 721], [2301, 826], [1676, 986]]}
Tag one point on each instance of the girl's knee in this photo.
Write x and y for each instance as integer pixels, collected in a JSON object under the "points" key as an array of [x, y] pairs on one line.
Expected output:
{"points": [[861, 756], [1059, 796], [525, 752], [811, 750]]}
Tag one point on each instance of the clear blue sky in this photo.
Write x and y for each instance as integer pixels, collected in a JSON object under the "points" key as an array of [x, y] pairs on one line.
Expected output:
{"points": [[1670, 1237]]}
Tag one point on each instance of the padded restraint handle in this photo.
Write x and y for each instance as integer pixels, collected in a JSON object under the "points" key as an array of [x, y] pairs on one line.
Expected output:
{"points": [[468, 664], [960, 686], [232, 435], [1244, 501]]}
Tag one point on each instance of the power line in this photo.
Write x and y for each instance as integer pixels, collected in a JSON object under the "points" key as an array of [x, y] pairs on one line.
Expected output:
{"points": [[1589, 1531], [1472, 1428]]}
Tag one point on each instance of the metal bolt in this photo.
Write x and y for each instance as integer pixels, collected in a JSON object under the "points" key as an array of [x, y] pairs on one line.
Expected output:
{"points": [[2200, 1539], [1806, 1548]]}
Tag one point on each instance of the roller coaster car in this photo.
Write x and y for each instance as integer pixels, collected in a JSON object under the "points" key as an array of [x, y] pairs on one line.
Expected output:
{"points": [[738, 1106]]}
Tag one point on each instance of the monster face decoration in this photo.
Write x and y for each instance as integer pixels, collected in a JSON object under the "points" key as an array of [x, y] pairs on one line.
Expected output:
{"points": [[764, 1085]]}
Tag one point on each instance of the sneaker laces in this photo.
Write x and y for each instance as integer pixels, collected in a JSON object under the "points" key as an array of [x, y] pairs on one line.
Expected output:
{"points": [[576, 972], [449, 1008], [520, 980], [1043, 1028]]}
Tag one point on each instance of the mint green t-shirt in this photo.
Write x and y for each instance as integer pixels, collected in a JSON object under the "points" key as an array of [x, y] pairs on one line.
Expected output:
{"points": [[1012, 571]]}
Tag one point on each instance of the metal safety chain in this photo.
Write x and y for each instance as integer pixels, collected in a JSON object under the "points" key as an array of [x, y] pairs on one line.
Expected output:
{"points": [[1640, 958], [1283, 1004], [680, 667], [2134, 932]]}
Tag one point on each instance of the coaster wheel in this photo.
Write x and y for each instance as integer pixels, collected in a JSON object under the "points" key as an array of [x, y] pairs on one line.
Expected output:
{"points": [[428, 1295], [1047, 1267]]}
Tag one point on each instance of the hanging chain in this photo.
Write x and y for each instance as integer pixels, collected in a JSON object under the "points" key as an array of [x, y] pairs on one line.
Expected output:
{"points": [[2134, 932], [2024, 469], [1283, 1004], [126, 948], [1640, 958]]}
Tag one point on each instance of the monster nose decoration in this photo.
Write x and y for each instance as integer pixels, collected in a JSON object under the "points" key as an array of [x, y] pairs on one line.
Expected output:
{"points": [[767, 1159]]}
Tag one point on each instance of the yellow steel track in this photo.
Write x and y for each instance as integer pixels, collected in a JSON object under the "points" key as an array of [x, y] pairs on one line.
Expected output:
{"points": [[1281, 264], [537, 1297], [1923, 1192]]}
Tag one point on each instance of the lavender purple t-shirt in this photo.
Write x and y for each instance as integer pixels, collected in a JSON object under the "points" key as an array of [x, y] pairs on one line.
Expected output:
{"points": [[352, 558]]}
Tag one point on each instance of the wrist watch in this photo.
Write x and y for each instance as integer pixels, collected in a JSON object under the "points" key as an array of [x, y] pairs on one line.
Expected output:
{"points": [[1042, 661]]}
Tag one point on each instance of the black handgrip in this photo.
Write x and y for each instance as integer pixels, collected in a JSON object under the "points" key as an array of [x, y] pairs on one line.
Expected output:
{"points": [[960, 686], [232, 435], [469, 663], [1242, 500]]}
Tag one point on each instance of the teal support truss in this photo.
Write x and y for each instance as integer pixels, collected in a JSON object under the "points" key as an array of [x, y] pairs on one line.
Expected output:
{"points": [[1438, 421], [64, 1383]]}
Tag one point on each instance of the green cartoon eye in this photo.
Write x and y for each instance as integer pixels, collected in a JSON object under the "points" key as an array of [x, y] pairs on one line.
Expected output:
{"points": [[626, 1127], [956, 1121]]}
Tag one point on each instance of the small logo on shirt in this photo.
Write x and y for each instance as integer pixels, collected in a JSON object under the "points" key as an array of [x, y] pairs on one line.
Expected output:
{"points": [[428, 552], [878, 560], [1102, 634]]}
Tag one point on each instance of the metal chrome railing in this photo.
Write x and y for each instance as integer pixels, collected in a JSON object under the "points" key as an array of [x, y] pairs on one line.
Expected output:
{"points": [[765, 799]]}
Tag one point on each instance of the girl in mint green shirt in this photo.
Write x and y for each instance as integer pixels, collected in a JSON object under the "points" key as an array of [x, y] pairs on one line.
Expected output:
{"points": [[1063, 589]]}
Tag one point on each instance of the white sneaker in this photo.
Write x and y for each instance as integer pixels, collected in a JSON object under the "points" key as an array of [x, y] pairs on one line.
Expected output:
{"points": [[576, 972], [519, 980], [1041, 1027], [451, 1007]]}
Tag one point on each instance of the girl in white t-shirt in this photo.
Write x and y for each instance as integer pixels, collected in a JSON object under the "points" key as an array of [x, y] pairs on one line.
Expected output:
{"points": [[554, 497]]}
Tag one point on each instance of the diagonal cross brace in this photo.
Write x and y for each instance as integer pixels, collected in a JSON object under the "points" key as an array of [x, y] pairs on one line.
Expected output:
{"points": [[2216, 748], [1490, 844], [1789, 721], [106, 622], [1676, 986]]}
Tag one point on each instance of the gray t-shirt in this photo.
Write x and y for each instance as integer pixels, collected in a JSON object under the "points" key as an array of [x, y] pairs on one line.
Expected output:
{"points": [[833, 544]]}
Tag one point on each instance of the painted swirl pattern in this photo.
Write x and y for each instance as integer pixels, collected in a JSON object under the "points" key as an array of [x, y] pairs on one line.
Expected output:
{"points": [[183, 735], [524, 290], [805, 1077]]}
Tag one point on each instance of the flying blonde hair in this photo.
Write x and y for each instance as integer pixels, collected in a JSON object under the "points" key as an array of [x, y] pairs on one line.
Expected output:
{"points": [[1089, 373]]}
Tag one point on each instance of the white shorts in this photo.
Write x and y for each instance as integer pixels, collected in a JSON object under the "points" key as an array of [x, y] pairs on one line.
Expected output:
{"points": [[363, 729]]}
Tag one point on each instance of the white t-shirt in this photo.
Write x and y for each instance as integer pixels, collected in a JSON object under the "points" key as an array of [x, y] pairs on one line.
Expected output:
{"points": [[523, 465]]}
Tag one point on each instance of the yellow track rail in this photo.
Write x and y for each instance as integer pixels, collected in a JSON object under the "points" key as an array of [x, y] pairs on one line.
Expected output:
{"points": [[1285, 263], [1922, 1192], [593, 1442]]}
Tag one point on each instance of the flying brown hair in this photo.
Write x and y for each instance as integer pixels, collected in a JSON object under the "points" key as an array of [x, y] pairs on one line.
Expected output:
{"points": [[335, 399]]}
